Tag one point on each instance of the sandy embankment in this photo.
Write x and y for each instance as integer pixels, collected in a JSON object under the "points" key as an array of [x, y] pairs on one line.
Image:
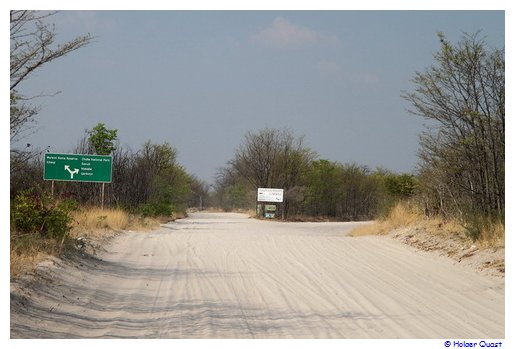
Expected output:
{"points": [[226, 276]]}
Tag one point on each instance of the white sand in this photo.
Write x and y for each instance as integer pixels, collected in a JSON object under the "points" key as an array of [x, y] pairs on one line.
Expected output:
{"points": [[219, 275]]}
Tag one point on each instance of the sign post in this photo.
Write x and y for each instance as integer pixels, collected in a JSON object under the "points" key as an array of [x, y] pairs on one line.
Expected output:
{"points": [[78, 168], [102, 195], [270, 195], [266, 195]]}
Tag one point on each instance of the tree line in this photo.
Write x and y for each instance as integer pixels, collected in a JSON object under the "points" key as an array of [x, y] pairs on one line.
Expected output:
{"points": [[462, 152], [149, 181], [271, 158], [461, 169], [460, 174]]}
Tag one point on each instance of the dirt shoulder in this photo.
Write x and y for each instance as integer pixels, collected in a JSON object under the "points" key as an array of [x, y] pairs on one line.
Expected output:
{"points": [[456, 246]]}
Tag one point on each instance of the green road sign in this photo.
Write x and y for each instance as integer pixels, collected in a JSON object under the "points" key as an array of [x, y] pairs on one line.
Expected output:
{"points": [[78, 168]]}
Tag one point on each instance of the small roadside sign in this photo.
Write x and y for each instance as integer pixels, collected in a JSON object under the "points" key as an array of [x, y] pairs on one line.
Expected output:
{"points": [[270, 208], [270, 195], [78, 168]]}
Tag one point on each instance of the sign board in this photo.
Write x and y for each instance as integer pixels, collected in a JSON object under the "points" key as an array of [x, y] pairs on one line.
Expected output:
{"points": [[270, 208], [270, 195], [78, 168]]}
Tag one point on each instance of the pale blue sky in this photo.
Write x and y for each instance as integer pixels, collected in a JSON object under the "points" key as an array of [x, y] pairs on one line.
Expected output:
{"points": [[200, 80]]}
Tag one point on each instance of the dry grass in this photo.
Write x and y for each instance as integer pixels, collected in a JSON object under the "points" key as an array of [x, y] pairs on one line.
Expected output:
{"points": [[404, 215], [91, 222], [28, 252], [492, 235], [95, 218]]}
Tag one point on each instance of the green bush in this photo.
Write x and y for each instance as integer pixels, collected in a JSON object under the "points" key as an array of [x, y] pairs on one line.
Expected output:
{"points": [[401, 186], [34, 212], [155, 209]]}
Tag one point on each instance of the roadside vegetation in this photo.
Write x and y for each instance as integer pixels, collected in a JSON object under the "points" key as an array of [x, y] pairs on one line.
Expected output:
{"points": [[405, 215], [314, 188], [150, 188], [461, 184], [45, 219], [458, 186], [55, 225]]}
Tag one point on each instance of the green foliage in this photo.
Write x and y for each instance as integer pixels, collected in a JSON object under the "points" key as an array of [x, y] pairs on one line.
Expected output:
{"points": [[155, 209], [234, 196], [344, 191], [102, 139], [160, 186], [462, 152], [400, 186], [34, 212], [322, 181], [312, 187]]}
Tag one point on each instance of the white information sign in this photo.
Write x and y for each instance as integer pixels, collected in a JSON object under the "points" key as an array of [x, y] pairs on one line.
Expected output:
{"points": [[270, 195]]}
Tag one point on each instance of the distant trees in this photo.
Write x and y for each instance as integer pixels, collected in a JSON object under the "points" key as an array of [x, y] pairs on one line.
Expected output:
{"points": [[344, 191], [271, 158], [462, 151], [158, 182], [149, 181], [321, 179]]}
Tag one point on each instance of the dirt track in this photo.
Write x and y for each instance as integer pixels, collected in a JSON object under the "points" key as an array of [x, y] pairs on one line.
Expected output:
{"points": [[227, 276]]}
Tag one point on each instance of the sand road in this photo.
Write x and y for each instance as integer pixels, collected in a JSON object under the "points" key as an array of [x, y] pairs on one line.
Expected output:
{"points": [[222, 275]]}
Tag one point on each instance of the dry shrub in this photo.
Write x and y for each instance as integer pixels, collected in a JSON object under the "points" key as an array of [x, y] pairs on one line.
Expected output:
{"points": [[29, 250], [406, 215], [374, 228], [492, 234], [94, 218], [95, 221], [139, 223], [23, 263], [402, 215], [439, 226]]}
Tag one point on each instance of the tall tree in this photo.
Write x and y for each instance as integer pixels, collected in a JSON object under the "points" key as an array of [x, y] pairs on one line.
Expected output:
{"points": [[271, 158], [462, 152], [102, 140], [32, 46]]}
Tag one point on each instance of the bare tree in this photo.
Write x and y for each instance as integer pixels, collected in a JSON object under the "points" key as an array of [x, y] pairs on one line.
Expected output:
{"points": [[272, 158], [32, 45]]}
